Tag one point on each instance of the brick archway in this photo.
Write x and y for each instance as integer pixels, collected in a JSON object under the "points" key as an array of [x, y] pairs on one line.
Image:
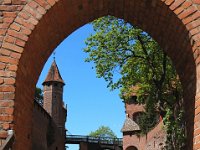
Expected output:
{"points": [[131, 148], [30, 30]]}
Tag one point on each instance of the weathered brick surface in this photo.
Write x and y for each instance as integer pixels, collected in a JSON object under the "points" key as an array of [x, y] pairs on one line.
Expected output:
{"points": [[154, 140], [45, 131], [30, 30]]}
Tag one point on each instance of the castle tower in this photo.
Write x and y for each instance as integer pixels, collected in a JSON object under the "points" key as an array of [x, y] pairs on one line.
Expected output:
{"points": [[132, 139], [53, 96]]}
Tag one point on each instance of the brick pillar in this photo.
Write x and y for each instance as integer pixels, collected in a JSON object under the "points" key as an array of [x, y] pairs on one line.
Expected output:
{"points": [[197, 113]]}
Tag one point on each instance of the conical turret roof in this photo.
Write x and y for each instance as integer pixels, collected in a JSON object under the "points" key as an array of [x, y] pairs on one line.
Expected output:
{"points": [[53, 74], [130, 125]]}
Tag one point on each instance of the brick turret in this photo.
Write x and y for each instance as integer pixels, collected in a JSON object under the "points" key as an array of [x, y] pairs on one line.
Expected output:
{"points": [[53, 96]]}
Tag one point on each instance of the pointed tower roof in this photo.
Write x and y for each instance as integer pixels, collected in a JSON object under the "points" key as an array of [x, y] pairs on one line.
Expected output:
{"points": [[130, 125], [53, 74]]}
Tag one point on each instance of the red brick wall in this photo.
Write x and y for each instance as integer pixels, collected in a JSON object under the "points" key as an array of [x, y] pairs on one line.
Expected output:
{"points": [[132, 109], [44, 130], [154, 140], [25, 28], [53, 103]]}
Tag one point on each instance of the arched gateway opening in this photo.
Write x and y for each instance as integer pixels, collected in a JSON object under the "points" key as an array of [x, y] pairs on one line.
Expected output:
{"points": [[32, 29], [132, 148]]}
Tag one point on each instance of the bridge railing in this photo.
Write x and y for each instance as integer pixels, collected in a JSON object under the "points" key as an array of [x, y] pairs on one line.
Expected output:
{"points": [[90, 139]]}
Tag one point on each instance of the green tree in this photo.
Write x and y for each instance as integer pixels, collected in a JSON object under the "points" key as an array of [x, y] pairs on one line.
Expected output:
{"points": [[38, 95], [125, 56], [103, 131]]}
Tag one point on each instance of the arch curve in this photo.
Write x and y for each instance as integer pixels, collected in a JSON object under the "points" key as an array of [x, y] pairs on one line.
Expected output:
{"points": [[131, 148], [39, 26]]}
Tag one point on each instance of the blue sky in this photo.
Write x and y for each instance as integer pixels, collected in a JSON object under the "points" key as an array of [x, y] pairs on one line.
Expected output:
{"points": [[89, 102]]}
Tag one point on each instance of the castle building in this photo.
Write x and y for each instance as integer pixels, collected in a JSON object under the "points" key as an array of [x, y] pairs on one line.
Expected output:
{"points": [[49, 119], [132, 140]]}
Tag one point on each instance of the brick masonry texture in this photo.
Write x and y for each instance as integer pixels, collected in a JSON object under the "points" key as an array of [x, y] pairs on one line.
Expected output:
{"points": [[153, 140], [31, 29], [45, 131]]}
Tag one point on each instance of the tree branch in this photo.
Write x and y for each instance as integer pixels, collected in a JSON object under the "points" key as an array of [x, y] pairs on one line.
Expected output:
{"points": [[164, 65], [148, 60]]}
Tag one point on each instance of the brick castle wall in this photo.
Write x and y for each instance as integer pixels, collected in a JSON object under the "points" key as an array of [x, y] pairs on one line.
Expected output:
{"points": [[154, 140], [45, 134]]}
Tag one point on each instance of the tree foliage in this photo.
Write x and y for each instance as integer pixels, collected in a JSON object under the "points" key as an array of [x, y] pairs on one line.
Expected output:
{"points": [[39, 95], [103, 131], [125, 56], [147, 121]]}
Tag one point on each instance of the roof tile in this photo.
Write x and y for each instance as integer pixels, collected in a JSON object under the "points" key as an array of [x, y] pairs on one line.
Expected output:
{"points": [[53, 74], [130, 125]]}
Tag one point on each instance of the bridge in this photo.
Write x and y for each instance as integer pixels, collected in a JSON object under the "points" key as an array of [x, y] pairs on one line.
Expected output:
{"points": [[97, 143]]}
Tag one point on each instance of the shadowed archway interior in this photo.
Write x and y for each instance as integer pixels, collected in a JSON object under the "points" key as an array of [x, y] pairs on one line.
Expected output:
{"points": [[132, 148]]}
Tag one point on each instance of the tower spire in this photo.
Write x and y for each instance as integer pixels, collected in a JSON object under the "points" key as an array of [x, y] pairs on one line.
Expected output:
{"points": [[53, 74]]}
